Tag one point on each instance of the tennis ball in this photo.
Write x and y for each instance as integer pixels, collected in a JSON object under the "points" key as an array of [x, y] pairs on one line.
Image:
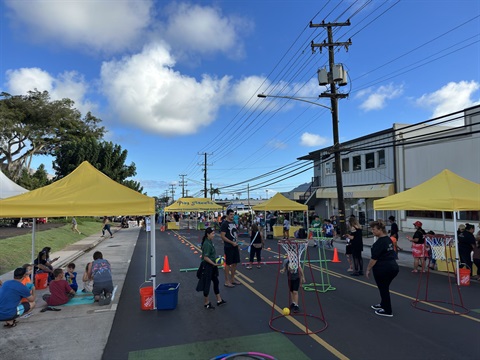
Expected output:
{"points": [[171, 289], [286, 311], [219, 260]]}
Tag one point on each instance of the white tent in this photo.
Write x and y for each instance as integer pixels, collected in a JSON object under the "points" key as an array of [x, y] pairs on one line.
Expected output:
{"points": [[8, 188]]}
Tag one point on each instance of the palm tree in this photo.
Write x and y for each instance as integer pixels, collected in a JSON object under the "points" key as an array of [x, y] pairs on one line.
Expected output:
{"points": [[214, 191]]}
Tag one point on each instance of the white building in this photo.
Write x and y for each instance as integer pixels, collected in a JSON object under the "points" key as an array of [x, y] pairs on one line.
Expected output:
{"points": [[393, 160]]}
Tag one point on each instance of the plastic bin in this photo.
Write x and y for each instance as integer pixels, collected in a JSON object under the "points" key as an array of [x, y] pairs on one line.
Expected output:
{"points": [[146, 297], [464, 276], [41, 281], [166, 296]]}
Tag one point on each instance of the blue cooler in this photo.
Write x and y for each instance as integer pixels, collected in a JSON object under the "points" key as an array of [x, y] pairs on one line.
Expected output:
{"points": [[166, 296]]}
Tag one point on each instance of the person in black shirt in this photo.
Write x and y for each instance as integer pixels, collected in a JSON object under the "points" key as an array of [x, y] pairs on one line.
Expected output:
{"points": [[383, 266], [466, 244], [394, 230], [418, 247]]}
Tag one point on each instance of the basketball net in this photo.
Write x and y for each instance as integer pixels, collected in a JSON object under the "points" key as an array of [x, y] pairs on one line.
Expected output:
{"points": [[294, 250]]}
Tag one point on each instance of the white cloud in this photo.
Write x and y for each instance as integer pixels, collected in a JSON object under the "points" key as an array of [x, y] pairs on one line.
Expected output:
{"points": [[68, 84], [376, 100], [146, 92], [245, 90], [106, 26], [308, 139], [204, 30], [277, 144], [450, 98]]}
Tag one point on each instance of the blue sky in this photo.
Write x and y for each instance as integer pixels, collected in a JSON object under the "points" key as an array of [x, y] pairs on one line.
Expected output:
{"points": [[174, 80]]}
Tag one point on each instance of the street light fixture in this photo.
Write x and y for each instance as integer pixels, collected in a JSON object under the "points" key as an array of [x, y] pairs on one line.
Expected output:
{"points": [[336, 151], [294, 98]]}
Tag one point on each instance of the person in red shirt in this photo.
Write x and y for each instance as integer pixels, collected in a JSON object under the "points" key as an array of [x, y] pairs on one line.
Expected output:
{"points": [[60, 291]]}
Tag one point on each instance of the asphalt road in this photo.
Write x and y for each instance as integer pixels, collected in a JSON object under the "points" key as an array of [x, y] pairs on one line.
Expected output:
{"points": [[11, 231], [353, 331]]}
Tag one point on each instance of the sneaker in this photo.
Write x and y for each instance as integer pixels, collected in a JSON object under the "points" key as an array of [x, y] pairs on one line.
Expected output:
{"points": [[220, 303], [101, 300], [108, 299], [296, 309], [292, 305], [376, 307], [382, 312], [209, 306]]}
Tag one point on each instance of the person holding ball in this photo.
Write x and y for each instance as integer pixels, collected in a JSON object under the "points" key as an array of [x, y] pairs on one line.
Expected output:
{"points": [[210, 270]]}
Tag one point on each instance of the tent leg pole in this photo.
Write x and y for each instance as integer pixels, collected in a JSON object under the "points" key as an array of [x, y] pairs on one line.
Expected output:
{"points": [[153, 262]]}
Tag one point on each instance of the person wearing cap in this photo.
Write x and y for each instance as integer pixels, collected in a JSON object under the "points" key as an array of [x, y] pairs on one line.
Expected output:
{"points": [[466, 244], [11, 293], [418, 246]]}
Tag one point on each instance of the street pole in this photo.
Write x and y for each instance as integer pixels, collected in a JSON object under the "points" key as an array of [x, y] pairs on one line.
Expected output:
{"points": [[334, 107]]}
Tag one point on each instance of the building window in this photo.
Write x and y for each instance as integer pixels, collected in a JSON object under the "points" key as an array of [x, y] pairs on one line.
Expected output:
{"points": [[345, 164], [357, 163], [327, 168], [370, 160], [333, 167], [381, 158]]}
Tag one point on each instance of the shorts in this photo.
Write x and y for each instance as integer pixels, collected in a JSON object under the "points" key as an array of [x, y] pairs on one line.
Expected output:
{"points": [[294, 285], [232, 255], [22, 309], [418, 250], [348, 249], [102, 287]]}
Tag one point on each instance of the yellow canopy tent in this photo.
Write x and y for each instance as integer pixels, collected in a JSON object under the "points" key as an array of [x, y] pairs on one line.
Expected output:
{"points": [[445, 191], [193, 204], [84, 192], [280, 202]]}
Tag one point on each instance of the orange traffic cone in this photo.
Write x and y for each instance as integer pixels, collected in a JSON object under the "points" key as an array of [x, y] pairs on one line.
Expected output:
{"points": [[335, 256], [162, 228], [166, 266]]}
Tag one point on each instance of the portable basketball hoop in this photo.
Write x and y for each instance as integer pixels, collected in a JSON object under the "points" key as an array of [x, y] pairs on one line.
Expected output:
{"points": [[313, 321], [324, 284], [442, 251]]}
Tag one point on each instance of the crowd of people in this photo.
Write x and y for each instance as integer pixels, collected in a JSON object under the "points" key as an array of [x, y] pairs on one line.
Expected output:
{"points": [[18, 296]]}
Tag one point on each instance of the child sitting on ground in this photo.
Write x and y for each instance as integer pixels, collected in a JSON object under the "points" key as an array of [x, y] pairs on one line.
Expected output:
{"points": [[60, 291], [27, 281], [87, 282], [71, 276], [294, 277]]}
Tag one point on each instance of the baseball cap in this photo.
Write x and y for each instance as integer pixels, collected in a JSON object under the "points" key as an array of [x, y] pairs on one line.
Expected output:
{"points": [[417, 223]]}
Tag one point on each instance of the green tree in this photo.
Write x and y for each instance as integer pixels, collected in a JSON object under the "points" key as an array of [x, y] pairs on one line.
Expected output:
{"points": [[34, 181], [213, 192], [33, 124], [107, 157]]}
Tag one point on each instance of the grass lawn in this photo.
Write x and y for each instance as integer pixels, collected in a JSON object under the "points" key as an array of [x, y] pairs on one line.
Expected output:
{"points": [[17, 250]]}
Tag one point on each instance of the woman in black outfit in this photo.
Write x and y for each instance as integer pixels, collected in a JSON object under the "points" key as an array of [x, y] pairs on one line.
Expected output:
{"points": [[466, 244], [384, 267], [356, 241]]}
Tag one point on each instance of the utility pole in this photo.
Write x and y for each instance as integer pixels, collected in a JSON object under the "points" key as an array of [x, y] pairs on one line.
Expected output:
{"points": [[205, 174], [335, 75], [172, 190], [183, 183]]}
